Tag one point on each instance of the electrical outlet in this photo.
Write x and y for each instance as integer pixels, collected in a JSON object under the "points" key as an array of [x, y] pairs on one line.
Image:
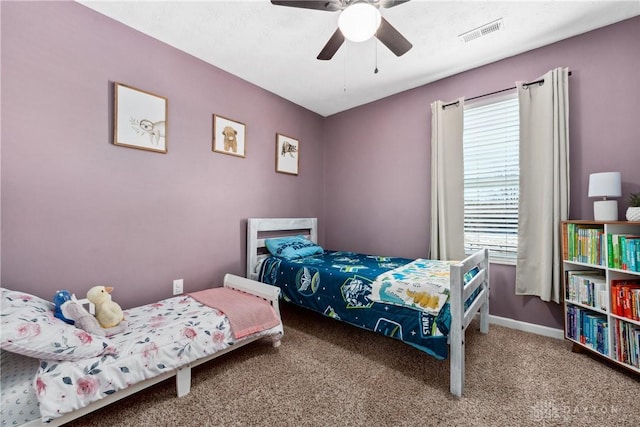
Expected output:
{"points": [[178, 286]]}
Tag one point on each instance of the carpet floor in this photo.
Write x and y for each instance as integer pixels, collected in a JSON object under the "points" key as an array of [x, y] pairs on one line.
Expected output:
{"points": [[329, 373]]}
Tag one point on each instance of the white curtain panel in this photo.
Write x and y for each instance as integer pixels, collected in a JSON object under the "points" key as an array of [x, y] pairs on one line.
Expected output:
{"points": [[544, 184], [447, 181]]}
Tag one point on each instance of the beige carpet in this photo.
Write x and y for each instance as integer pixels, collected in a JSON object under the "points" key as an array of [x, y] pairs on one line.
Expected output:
{"points": [[328, 373]]}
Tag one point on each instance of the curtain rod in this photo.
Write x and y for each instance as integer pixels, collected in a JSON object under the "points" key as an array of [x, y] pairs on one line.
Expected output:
{"points": [[525, 85]]}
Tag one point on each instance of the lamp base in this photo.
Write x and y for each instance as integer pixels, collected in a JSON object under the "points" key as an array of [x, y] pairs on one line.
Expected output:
{"points": [[605, 210]]}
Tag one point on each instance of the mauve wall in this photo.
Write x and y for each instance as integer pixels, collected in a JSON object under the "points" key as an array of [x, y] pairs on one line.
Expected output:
{"points": [[378, 156], [78, 211]]}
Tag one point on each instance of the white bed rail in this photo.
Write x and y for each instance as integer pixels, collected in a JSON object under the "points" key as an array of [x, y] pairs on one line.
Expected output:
{"points": [[460, 318], [305, 226], [262, 290]]}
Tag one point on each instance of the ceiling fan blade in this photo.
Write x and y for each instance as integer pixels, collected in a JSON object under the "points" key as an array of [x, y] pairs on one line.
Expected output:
{"points": [[328, 5], [391, 38], [332, 46], [390, 3]]}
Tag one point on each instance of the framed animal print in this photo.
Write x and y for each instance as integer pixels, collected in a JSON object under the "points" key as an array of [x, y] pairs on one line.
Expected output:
{"points": [[229, 136], [140, 119], [287, 154]]}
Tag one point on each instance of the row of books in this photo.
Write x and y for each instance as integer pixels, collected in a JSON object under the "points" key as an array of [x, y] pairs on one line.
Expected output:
{"points": [[625, 298], [589, 328], [623, 251], [585, 243], [626, 343], [588, 287]]}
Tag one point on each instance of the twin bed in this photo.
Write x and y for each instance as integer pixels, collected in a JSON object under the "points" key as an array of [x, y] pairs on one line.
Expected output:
{"points": [[53, 373], [63, 372], [427, 304]]}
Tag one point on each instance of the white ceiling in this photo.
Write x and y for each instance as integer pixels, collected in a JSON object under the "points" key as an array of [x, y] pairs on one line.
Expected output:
{"points": [[275, 47]]}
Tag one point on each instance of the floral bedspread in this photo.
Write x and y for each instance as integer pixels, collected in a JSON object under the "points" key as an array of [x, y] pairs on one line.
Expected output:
{"points": [[160, 337]]}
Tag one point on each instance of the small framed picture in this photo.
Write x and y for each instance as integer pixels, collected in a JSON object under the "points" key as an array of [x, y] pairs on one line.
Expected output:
{"points": [[287, 154], [229, 136], [140, 119]]}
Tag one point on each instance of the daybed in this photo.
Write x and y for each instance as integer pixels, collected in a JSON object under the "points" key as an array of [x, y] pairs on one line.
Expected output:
{"points": [[427, 304], [71, 373]]}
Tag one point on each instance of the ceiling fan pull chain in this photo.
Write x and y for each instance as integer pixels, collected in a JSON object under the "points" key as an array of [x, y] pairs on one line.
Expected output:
{"points": [[344, 69], [375, 43]]}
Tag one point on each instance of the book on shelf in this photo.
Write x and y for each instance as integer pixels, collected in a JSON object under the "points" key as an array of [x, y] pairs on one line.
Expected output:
{"points": [[632, 253], [626, 343], [586, 243], [588, 287], [588, 328], [623, 251], [625, 298]]}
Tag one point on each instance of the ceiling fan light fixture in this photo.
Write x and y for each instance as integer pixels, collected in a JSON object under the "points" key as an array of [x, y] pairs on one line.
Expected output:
{"points": [[359, 22]]}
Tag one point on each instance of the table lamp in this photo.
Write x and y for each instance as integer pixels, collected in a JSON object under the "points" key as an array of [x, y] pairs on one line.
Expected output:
{"points": [[605, 184]]}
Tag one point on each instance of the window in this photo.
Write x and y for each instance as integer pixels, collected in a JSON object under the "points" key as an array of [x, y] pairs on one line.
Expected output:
{"points": [[491, 175]]}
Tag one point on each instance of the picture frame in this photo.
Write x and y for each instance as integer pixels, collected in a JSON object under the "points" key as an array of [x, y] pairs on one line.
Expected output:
{"points": [[140, 119], [287, 154], [229, 136]]}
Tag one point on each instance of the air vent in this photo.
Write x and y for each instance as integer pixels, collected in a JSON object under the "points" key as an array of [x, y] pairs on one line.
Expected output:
{"points": [[482, 31]]}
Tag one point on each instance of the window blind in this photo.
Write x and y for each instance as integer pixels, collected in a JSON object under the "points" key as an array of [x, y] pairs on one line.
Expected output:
{"points": [[491, 177]]}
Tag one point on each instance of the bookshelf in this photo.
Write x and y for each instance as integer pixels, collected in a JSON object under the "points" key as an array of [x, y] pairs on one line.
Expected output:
{"points": [[601, 292]]}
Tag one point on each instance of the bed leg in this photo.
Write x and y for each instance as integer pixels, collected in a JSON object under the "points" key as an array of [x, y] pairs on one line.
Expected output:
{"points": [[484, 317], [457, 332], [183, 381], [457, 364], [276, 343], [484, 309]]}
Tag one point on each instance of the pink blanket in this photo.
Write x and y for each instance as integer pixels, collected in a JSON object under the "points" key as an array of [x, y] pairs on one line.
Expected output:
{"points": [[247, 314]]}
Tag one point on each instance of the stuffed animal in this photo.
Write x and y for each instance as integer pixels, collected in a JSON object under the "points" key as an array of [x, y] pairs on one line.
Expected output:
{"points": [[108, 313], [72, 309], [59, 299]]}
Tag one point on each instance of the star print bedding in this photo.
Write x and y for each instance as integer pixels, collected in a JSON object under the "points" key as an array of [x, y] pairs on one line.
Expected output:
{"points": [[397, 297], [160, 337]]}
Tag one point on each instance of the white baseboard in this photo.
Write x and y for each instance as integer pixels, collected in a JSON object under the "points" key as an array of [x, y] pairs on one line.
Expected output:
{"points": [[527, 327]]}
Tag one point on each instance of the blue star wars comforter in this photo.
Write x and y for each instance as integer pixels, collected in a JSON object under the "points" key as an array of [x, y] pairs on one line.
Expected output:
{"points": [[375, 293]]}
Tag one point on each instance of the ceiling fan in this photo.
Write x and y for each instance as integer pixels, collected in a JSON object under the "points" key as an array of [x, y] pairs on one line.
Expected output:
{"points": [[356, 13]]}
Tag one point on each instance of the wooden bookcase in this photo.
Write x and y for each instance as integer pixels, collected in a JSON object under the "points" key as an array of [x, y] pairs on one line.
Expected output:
{"points": [[598, 281]]}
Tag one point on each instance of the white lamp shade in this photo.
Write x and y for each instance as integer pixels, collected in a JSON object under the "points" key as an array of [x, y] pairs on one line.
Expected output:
{"points": [[359, 22], [605, 184]]}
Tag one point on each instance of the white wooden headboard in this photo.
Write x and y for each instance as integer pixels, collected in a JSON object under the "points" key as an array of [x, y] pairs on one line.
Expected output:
{"points": [[282, 226]]}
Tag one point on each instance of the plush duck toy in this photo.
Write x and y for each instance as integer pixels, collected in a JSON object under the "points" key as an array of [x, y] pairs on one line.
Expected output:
{"points": [[108, 313]]}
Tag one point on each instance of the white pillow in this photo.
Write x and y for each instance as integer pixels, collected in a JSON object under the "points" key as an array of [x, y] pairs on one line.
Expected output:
{"points": [[30, 328]]}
